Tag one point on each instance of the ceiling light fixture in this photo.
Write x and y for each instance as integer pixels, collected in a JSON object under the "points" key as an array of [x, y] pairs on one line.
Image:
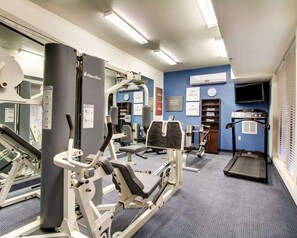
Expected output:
{"points": [[221, 47], [27, 53], [165, 57], [125, 27], [208, 13], [232, 74]]}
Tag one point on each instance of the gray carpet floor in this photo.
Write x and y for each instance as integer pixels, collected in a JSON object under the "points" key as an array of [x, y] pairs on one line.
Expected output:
{"points": [[209, 204]]}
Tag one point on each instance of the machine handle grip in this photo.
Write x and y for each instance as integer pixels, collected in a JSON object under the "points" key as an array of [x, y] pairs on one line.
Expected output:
{"points": [[229, 125], [109, 134], [70, 124]]}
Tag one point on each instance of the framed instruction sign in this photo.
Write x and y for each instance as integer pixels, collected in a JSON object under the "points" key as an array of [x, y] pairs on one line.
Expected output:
{"points": [[193, 94], [192, 109]]}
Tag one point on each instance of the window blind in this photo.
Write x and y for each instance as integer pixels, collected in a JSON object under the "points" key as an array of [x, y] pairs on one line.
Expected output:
{"points": [[286, 77]]}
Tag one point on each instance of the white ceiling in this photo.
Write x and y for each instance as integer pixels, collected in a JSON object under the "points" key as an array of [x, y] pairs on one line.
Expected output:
{"points": [[256, 32]]}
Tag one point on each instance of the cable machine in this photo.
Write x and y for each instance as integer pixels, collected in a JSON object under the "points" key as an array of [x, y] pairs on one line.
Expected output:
{"points": [[251, 165]]}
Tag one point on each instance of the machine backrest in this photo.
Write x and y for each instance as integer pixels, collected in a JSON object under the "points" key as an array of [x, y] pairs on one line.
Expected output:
{"points": [[165, 135], [106, 165], [18, 142], [127, 130], [135, 185]]}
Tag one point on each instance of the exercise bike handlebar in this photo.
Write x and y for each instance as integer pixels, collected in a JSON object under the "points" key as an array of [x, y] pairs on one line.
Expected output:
{"points": [[100, 151], [109, 134], [70, 124]]}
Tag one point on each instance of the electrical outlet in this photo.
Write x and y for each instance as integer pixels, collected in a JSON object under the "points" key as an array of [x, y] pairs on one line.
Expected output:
{"points": [[239, 137]]}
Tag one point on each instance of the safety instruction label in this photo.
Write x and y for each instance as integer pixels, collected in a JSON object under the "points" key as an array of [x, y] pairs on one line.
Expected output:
{"points": [[88, 116], [9, 115], [47, 107]]}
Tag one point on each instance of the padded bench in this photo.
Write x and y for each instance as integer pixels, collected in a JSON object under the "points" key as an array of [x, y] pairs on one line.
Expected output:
{"points": [[132, 149]]}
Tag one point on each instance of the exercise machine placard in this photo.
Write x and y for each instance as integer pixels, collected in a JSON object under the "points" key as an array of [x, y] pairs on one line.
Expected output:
{"points": [[47, 107], [9, 115], [88, 116]]}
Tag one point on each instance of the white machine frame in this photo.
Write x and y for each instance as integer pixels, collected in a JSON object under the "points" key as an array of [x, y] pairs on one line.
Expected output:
{"points": [[79, 183], [198, 152], [11, 75], [17, 164]]}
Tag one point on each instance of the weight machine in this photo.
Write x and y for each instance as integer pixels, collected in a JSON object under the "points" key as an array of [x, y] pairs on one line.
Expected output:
{"points": [[131, 80], [73, 83], [194, 149], [19, 159], [136, 189]]}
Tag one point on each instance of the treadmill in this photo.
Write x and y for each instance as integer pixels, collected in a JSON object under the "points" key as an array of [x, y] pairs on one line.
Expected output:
{"points": [[251, 165]]}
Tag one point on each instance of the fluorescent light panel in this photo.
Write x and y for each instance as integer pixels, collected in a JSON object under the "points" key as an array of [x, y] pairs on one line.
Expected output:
{"points": [[125, 27], [165, 57], [221, 47], [208, 13], [232, 74], [29, 54]]}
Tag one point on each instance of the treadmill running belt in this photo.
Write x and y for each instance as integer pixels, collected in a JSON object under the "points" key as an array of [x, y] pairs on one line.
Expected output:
{"points": [[249, 168]]}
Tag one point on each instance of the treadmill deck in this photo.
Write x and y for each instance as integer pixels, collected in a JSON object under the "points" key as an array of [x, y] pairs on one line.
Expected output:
{"points": [[252, 168]]}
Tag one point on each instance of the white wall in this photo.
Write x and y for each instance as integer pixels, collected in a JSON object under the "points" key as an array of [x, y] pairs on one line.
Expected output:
{"points": [[30, 15]]}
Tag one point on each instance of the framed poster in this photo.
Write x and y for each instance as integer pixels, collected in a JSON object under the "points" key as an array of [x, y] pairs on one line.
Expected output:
{"points": [[193, 94], [159, 94], [138, 97], [192, 109], [174, 103], [158, 108], [137, 109]]}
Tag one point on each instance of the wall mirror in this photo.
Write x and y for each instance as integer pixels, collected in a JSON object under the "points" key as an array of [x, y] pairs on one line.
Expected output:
{"points": [[27, 49]]}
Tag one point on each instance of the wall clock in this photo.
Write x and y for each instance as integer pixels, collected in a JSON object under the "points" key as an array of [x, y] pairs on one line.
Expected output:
{"points": [[212, 92], [126, 97]]}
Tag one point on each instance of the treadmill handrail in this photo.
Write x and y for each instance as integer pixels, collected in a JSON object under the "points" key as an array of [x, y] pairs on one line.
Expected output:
{"points": [[232, 124]]}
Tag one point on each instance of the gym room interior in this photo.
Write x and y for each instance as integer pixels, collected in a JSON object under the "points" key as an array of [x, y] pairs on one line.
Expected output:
{"points": [[129, 118]]}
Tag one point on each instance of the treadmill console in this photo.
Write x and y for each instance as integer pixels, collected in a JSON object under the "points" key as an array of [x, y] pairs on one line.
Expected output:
{"points": [[249, 114]]}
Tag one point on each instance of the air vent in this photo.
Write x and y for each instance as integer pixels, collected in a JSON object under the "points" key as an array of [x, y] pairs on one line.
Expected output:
{"points": [[249, 127]]}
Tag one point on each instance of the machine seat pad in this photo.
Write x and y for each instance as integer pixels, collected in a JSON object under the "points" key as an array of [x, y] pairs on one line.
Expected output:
{"points": [[192, 147], [132, 149], [150, 182], [103, 162], [140, 184]]}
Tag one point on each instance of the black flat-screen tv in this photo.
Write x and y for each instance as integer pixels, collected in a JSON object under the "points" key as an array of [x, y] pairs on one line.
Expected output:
{"points": [[249, 93]]}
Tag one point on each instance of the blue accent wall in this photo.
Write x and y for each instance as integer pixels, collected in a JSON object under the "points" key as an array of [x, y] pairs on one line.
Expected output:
{"points": [[175, 84]]}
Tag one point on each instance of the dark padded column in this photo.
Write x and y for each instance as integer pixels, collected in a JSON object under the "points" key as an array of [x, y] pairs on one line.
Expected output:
{"points": [[92, 96], [24, 117], [60, 75]]}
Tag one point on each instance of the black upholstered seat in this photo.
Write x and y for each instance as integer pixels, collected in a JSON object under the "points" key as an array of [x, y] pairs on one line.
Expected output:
{"points": [[132, 149], [140, 184]]}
